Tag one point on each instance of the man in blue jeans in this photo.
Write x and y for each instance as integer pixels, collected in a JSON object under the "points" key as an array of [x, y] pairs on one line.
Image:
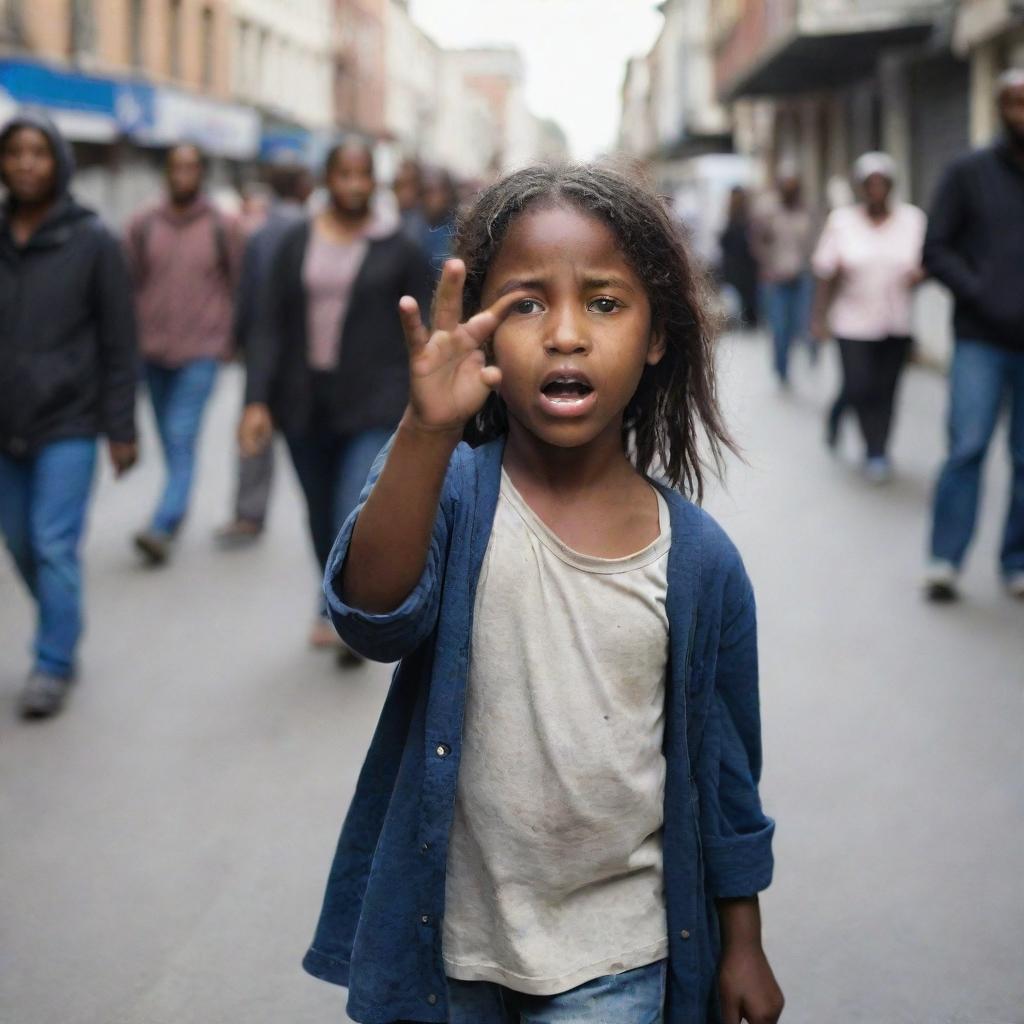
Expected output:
{"points": [[67, 374], [975, 245], [184, 256]]}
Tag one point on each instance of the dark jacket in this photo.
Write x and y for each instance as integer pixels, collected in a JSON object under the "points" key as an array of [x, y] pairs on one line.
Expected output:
{"points": [[380, 928], [975, 245], [67, 327], [371, 383]]}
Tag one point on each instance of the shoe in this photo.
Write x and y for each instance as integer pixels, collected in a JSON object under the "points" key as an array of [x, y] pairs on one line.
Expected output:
{"points": [[1015, 584], [877, 470], [43, 695], [238, 534], [154, 546], [940, 582], [322, 636]]}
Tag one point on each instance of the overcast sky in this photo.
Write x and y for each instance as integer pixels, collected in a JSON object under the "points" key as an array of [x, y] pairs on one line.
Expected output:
{"points": [[575, 53]]}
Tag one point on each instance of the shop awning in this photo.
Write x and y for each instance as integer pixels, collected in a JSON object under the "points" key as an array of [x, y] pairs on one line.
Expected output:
{"points": [[807, 62]]}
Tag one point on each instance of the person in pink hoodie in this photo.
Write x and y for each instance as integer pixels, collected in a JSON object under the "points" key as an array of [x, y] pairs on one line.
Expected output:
{"points": [[185, 256]]}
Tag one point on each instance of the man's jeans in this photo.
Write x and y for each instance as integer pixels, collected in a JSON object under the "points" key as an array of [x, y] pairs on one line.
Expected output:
{"points": [[179, 396], [332, 471], [635, 997], [982, 380], [789, 309], [43, 501]]}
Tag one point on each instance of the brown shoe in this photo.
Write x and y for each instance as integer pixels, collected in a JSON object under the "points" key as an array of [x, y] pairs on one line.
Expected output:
{"points": [[154, 546], [238, 534]]}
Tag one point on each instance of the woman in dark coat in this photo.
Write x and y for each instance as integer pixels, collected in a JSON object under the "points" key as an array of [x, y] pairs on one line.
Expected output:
{"points": [[328, 367]]}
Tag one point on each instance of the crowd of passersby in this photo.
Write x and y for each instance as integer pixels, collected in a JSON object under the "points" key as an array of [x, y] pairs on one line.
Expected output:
{"points": [[309, 298], [306, 294], [852, 279]]}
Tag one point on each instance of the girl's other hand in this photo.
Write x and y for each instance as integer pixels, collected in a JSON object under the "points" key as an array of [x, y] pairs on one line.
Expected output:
{"points": [[449, 378], [123, 455], [747, 987]]}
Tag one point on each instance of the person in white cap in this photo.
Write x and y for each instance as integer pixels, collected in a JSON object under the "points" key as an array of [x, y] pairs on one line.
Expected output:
{"points": [[867, 263]]}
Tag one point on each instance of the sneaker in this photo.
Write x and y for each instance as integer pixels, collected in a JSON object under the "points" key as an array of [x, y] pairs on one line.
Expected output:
{"points": [[43, 695], [238, 534], [1015, 584], [940, 582], [877, 470], [154, 546]]}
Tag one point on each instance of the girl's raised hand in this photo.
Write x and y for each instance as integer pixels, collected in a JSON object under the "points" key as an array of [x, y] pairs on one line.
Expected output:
{"points": [[449, 378]]}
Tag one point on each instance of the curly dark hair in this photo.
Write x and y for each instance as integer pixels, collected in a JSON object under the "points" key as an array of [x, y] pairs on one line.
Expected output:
{"points": [[676, 399]]}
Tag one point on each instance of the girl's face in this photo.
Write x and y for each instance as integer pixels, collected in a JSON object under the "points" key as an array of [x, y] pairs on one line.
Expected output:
{"points": [[573, 349], [27, 165]]}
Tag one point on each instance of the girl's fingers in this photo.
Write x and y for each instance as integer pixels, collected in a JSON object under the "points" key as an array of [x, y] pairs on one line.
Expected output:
{"points": [[486, 322], [491, 376], [416, 335], [448, 298]]}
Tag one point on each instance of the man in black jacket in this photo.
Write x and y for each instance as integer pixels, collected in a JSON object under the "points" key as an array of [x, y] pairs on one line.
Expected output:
{"points": [[975, 245], [67, 374]]}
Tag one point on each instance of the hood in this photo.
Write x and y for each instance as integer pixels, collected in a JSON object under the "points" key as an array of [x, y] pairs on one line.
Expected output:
{"points": [[29, 117]]}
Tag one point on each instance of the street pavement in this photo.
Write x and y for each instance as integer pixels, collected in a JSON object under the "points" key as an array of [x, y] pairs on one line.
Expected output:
{"points": [[164, 844]]}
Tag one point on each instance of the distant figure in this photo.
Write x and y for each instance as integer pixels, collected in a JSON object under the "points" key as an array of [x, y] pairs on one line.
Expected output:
{"points": [[975, 246], [184, 254], [440, 209], [328, 365], [782, 240], [868, 262], [739, 267], [67, 375], [290, 188], [408, 189]]}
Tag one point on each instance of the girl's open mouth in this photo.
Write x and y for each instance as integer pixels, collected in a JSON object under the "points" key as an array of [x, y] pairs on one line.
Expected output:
{"points": [[567, 393]]}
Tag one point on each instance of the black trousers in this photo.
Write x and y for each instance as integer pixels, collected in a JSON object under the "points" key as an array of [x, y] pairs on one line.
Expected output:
{"points": [[871, 374]]}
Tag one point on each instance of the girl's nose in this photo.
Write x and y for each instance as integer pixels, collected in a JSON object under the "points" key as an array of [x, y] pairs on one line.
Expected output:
{"points": [[568, 337]]}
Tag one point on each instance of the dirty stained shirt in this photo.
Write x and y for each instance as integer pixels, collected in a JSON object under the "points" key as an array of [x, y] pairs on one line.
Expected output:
{"points": [[554, 872]]}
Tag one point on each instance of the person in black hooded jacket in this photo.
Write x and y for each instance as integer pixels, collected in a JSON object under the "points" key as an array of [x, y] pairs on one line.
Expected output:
{"points": [[67, 375]]}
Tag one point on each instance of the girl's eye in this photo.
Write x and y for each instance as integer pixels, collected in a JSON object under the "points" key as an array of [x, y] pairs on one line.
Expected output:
{"points": [[605, 305], [526, 306]]}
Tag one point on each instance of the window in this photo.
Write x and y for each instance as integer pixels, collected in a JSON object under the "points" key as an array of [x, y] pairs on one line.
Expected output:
{"points": [[174, 39], [135, 44], [81, 30], [206, 41]]}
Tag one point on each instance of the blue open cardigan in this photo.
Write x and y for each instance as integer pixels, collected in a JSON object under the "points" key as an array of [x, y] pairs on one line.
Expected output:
{"points": [[380, 929]]}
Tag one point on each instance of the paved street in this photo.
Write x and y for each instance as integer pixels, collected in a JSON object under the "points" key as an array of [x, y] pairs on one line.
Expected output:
{"points": [[165, 843]]}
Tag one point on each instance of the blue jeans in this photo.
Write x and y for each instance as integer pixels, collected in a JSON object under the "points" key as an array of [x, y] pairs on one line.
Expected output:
{"points": [[789, 310], [332, 471], [983, 378], [43, 501], [635, 997], [179, 397]]}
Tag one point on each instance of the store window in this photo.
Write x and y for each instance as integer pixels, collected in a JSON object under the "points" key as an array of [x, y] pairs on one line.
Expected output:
{"points": [[174, 39], [136, 54], [81, 30], [206, 41]]}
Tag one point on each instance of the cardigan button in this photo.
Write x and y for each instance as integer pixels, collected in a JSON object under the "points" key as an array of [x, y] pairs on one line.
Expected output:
{"points": [[684, 934], [425, 919], [432, 999], [443, 750]]}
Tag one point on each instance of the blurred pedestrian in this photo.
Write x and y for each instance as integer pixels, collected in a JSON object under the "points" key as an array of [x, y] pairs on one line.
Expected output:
{"points": [[975, 246], [67, 375], [184, 254], [868, 262], [290, 187], [739, 267], [440, 203], [783, 238], [328, 366], [408, 189], [557, 615]]}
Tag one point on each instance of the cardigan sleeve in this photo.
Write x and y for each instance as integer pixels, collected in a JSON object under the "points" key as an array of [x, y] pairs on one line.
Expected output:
{"points": [[391, 636], [736, 834]]}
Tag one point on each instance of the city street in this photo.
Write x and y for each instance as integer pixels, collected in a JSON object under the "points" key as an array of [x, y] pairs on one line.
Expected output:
{"points": [[166, 840]]}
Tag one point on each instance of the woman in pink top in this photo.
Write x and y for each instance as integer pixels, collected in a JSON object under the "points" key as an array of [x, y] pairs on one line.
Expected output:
{"points": [[867, 263]]}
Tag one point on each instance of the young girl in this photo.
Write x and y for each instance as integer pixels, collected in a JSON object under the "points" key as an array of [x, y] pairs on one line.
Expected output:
{"points": [[558, 819]]}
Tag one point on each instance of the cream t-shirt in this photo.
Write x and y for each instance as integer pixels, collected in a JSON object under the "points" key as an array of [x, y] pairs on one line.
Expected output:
{"points": [[554, 872]]}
